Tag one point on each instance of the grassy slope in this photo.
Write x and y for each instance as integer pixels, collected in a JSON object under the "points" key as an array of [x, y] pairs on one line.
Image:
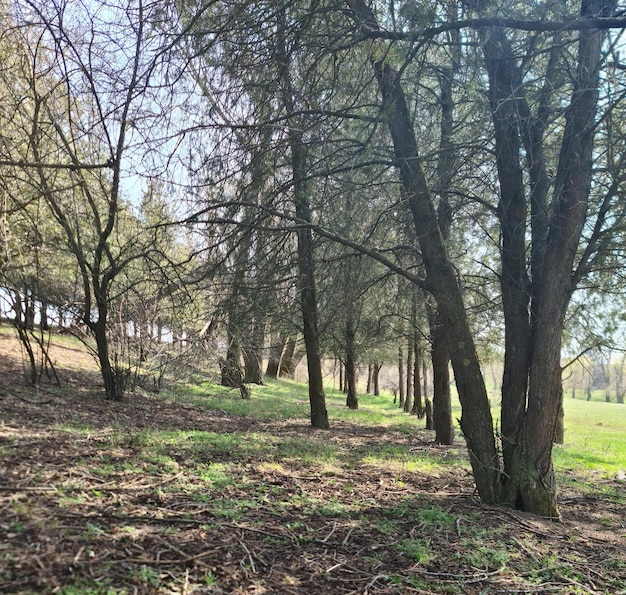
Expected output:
{"points": [[595, 436]]}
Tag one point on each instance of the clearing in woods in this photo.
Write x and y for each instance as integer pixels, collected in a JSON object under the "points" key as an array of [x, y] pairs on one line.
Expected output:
{"points": [[155, 496]]}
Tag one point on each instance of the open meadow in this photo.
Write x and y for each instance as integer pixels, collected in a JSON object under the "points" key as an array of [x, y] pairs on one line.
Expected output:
{"points": [[197, 491]]}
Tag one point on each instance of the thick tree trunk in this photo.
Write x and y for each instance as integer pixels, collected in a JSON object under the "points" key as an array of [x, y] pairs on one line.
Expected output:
{"points": [[44, 321], [253, 370], [571, 195], [232, 375], [559, 430], [252, 353], [505, 84]]}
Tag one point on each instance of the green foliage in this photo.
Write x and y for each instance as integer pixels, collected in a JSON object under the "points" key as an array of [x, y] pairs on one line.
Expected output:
{"points": [[147, 576]]}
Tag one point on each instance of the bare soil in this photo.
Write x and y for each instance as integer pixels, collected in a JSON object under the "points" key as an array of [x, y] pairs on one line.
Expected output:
{"points": [[76, 516]]}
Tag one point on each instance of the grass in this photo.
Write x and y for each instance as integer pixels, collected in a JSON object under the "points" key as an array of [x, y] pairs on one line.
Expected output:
{"points": [[594, 437], [287, 399]]}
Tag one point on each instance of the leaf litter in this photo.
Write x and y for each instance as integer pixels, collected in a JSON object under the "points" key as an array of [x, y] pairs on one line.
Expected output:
{"points": [[88, 504]]}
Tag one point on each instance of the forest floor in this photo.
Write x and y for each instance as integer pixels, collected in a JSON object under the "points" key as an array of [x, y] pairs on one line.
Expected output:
{"points": [[150, 496]]}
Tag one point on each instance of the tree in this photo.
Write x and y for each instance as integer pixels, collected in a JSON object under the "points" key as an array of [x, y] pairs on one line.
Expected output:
{"points": [[85, 88], [529, 410], [476, 421]]}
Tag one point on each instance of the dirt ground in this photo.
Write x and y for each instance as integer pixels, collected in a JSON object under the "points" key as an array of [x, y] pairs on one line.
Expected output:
{"points": [[67, 525]]}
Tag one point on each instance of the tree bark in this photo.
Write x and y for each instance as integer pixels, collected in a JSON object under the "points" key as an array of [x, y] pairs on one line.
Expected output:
{"points": [[418, 401], [408, 401], [570, 200], [505, 84], [44, 321], [113, 389], [288, 362], [275, 352], [442, 400], [377, 369], [400, 378], [306, 266], [559, 430], [352, 400], [430, 424], [252, 352]]}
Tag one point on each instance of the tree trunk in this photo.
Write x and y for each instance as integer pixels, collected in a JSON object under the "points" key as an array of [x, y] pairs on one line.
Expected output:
{"points": [[253, 361], [408, 401], [377, 369], [288, 361], [308, 297], [418, 401], [341, 376], [559, 430], [352, 400], [368, 390], [17, 307], [476, 420], [505, 84], [430, 424], [253, 371], [306, 266], [44, 322], [29, 303], [400, 378], [571, 195], [442, 400], [22, 333], [113, 388], [424, 378], [231, 373], [274, 354]]}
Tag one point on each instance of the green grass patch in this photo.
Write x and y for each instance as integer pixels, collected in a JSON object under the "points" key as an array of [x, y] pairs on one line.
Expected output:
{"points": [[594, 437], [418, 550]]}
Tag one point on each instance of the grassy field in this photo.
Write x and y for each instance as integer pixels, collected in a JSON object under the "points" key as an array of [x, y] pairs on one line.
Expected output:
{"points": [[595, 431]]}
